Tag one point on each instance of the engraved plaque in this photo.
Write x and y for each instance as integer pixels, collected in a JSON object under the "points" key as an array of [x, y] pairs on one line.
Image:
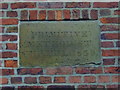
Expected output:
{"points": [[59, 43]]}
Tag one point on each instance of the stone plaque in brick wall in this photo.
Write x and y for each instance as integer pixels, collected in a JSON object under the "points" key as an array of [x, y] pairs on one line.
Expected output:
{"points": [[59, 43]]}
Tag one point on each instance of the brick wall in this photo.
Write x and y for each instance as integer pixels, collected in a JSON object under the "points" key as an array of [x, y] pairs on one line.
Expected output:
{"points": [[103, 75]]}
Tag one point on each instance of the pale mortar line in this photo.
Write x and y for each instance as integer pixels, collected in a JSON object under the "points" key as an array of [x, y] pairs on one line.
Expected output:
{"points": [[114, 48], [110, 32]]}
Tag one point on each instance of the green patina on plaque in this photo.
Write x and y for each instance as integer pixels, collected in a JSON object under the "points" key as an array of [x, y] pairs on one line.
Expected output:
{"points": [[59, 43]]}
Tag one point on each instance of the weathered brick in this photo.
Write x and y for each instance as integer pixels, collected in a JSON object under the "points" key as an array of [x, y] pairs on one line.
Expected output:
{"points": [[113, 70], [59, 79], [11, 63], [1, 62], [45, 80], [113, 87], [118, 44], [89, 70], [12, 30], [115, 78], [2, 13], [75, 79], [3, 5], [89, 79], [24, 15], [75, 14], [110, 53], [103, 79], [110, 36], [16, 80], [51, 15], [3, 80], [85, 14], [117, 12], [107, 44], [8, 54], [90, 87], [7, 72], [77, 5], [110, 20], [105, 4], [8, 88], [66, 14], [11, 46], [94, 14], [8, 37], [105, 12], [23, 5], [12, 14], [30, 80], [59, 14], [9, 21], [60, 87], [2, 29], [59, 71], [31, 71], [30, 88], [42, 15], [33, 15], [109, 27], [51, 5], [2, 46], [108, 61]]}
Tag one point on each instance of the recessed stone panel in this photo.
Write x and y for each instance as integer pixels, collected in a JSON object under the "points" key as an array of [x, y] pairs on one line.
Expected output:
{"points": [[59, 43]]}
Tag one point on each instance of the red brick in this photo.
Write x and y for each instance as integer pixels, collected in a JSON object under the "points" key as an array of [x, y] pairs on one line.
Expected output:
{"points": [[77, 5], [105, 4], [75, 14], [59, 14], [103, 79], [113, 87], [3, 81], [8, 37], [110, 36], [109, 27], [59, 71], [51, 15], [31, 71], [110, 20], [105, 12], [66, 14], [2, 29], [11, 46], [42, 15], [3, 5], [85, 14], [24, 15], [30, 88], [16, 80], [61, 87], [118, 44], [113, 70], [108, 61], [11, 63], [117, 12], [89, 70], [23, 5], [89, 79], [115, 79], [59, 80], [94, 14], [90, 87], [30, 80], [8, 88], [7, 72], [8, 54], [75, 79], [9, 21], [2, 13], [110, 53], [33, 15], [12, 30], [45, 80], [12, 14], [51, 5], [107, 44]]}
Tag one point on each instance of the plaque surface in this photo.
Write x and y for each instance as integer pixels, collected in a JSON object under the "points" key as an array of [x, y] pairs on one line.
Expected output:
{"points": [[59, 43]]}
